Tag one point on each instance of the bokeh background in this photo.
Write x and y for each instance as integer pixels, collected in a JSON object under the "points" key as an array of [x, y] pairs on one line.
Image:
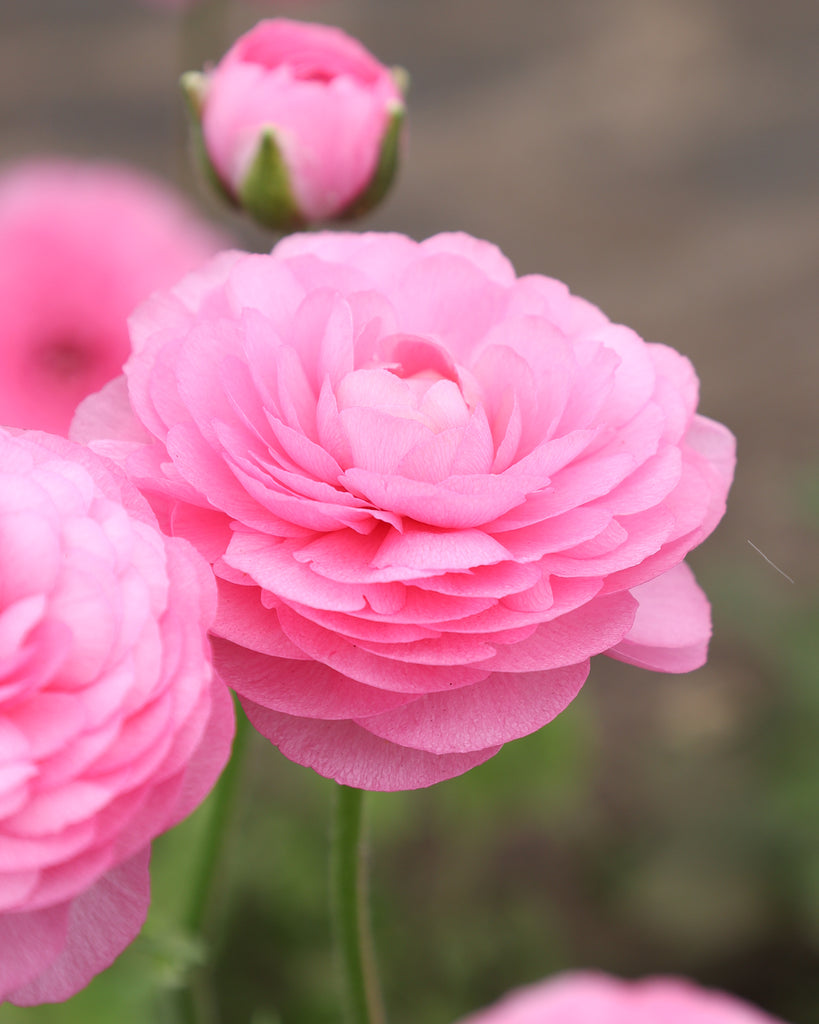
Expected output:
{"points": [[661, 156]]}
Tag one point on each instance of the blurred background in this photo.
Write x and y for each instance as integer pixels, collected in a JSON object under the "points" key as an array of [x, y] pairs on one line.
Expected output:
{"points": [[662, 157]]}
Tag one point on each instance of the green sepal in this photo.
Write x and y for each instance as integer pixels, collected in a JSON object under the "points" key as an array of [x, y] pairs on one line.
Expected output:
{"points": [[266, 193], [379, 184], [194, 88]]}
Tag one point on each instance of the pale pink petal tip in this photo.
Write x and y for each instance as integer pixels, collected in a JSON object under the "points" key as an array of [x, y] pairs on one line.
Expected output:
{"points": [[672, 627]]}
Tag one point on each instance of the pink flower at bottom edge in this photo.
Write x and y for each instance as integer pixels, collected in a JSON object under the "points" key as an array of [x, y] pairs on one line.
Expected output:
{"points": [[113, 726], [430, 492], [81, 244], [587, 997]]}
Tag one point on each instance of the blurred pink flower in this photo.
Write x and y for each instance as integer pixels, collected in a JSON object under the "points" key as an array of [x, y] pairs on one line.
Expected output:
{"points": [[430, 491], [113, 726], [80, 246], [592, 998], [300, 123]]}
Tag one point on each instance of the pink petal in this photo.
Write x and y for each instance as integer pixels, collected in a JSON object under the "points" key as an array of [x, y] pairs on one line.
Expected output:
{"points": [[86, 936], [571, 638], [243, 619], [672, 627], [300, 687], [480, 253], [503, 707], [354, 757], [422, 550], [351, 659]]}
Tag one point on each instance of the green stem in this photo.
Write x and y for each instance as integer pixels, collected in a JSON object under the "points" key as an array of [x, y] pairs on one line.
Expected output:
{"points": [[194, 1001], [221, 805], [352, 922]]}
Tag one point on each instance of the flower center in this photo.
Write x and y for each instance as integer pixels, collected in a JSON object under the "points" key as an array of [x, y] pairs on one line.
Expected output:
{"points": [[64, 358]]}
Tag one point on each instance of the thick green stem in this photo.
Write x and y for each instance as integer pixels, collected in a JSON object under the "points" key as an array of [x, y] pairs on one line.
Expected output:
{"points": [[352, 921]]}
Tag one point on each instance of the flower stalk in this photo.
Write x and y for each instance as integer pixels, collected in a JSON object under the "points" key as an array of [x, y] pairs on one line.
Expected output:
{"points": [[194, 1001], [362, 995], [211, 852]]}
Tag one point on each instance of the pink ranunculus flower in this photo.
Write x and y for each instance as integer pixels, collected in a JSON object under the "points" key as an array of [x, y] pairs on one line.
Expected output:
{"points": [[113, 725], [430, 492], [588, 997], [297, 123], [81, 244]]}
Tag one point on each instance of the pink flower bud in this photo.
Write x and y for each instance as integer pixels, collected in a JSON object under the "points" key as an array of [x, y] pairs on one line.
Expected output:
{"points": [[297, 124]]}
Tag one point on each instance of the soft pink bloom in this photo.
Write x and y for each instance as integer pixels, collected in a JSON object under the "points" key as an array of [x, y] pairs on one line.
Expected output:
{"points": [[80, 246], [113, 726], [591, 998], [327, 105], [430, 491]]}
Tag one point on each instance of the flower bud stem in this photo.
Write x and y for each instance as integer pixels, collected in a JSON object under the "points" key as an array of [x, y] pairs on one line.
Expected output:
{"points": [[351, 912]]}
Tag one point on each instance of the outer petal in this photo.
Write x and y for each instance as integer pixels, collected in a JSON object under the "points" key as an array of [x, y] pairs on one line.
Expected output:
{"points": [[503, 707], [354, 757], [87, 934], [300, 687], [210, 757], [672, 627]]}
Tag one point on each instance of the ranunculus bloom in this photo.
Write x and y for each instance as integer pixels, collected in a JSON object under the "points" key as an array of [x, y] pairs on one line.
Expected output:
{"points": [[590, 998], [112, 724], [430, 492], [300, 123], [80, 246]]}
